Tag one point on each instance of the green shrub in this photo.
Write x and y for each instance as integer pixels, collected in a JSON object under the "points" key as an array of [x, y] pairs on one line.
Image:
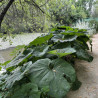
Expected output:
{"points": [[45, 68], [95, 23]]}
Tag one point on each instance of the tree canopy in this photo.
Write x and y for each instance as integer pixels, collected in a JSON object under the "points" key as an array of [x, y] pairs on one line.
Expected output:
{"points": [[38, 15]]}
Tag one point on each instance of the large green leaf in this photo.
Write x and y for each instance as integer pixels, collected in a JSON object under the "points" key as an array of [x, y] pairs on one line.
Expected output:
{"points": [[73, 33], [83, 38], [57, 74], [41, 40], [8, 80], [16, 75], [63, 38], [40, 50], [62, 28], [12, 78], [27, 90], [61, 45], [63, 52], [15, 90], [65, 28], [20, 59], [83, 55], [80, 44], [81, 51]]}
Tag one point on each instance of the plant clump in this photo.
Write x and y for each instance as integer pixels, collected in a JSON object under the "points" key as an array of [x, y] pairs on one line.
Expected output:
{"points": [[45, 69]]}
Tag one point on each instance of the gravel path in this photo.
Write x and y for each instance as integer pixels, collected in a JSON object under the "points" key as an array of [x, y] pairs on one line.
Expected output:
{"points": [[88, 74]]}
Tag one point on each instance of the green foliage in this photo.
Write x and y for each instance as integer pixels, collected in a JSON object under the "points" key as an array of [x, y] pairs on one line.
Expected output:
{"points": [[46, 72], [17, 49], [62, 52], [0, 68], [69, 11], [94, 22], [41, 39], [24, 15], [45, 68]]}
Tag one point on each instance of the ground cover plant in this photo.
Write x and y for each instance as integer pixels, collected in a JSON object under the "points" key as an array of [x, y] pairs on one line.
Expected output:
{"points": [[45, 69]]}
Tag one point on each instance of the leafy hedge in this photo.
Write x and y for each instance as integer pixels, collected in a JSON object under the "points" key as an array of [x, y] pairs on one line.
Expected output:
{"points": [[45, 69]]}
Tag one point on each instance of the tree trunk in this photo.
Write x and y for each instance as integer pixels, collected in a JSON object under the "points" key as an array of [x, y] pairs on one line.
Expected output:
{"points": [[3, 13]]}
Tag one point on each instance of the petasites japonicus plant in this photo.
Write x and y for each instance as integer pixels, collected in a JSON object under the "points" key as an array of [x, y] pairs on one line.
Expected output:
{"points": [[45, 69]]}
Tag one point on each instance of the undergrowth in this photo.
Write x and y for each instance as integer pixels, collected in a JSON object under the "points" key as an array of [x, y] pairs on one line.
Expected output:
{"points": [[45, 68]]}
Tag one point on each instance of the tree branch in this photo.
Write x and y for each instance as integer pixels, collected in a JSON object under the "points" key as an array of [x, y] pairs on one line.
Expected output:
{"points": [[36, 5], [3, 13], [44, 3]]}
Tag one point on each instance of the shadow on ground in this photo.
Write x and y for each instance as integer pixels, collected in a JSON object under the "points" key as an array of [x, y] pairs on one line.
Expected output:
{"points": [[88, 74]]}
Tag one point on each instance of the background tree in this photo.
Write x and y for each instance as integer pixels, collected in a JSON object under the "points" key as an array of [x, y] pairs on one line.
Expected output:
{"points": [[40, 15], [22, 15], [5, 10], [95, 9]]}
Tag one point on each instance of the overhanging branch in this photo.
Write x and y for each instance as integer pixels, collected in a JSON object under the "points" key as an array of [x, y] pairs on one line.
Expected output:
{"points": [[3, 13]]}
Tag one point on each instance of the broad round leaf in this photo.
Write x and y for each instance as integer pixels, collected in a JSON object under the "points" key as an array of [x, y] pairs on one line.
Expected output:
{"points": [[63, 52], [63, 38], [17, 60], [57, 74], [40, 50], [25, 90], [41, 39], [83, 55]]}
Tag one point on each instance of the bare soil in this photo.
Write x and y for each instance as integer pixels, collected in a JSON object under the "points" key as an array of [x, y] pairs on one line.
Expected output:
{"points": [[5, 53], [88, 74]]}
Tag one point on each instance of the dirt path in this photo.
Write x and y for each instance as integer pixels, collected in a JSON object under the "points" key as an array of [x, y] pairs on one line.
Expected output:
{"points": [[5, 53], [88, 74]]}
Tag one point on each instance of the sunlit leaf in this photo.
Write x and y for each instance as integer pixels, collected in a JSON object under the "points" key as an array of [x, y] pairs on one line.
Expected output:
{"points": [[62, 52], [41, 39]]}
